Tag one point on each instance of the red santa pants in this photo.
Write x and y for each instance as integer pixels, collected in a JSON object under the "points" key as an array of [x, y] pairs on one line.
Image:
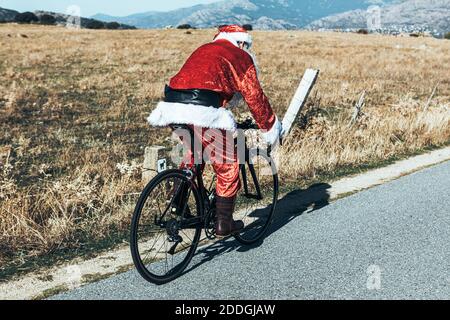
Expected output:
{"points": [[215, 147]]}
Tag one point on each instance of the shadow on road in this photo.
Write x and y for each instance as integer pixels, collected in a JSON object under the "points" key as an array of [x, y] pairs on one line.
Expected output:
{"points": [[291, 206]]}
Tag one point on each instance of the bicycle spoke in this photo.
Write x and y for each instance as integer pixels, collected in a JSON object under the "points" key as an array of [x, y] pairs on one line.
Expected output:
{"points": [[186, 235], [158, 251], [165, 251], [151, 249]]}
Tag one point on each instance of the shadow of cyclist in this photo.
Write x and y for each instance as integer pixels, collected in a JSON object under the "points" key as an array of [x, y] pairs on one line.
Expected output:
{"points": [[291, 206]]}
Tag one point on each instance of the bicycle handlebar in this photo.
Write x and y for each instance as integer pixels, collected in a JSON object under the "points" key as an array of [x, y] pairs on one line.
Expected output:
{"points": [[249, 124]]}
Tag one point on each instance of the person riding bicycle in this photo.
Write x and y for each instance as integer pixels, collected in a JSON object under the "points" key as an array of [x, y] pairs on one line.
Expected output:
{"points": [[199, 96]]}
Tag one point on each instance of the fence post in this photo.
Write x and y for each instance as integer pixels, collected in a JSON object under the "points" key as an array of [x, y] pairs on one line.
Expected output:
{"points": [[154, 162]]}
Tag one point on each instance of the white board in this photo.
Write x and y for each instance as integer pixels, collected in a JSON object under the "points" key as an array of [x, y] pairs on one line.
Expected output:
{"points": [[299, 100]]}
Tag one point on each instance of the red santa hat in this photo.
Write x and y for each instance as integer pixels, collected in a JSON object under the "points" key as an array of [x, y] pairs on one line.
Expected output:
{"points": [[234, 34]]}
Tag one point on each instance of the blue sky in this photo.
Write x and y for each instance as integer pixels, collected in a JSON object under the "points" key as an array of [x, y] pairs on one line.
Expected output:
{"points": [[91, 7]]}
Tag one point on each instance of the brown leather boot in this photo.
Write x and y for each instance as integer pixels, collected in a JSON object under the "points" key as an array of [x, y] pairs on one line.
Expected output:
{"points": [[225, 225]]}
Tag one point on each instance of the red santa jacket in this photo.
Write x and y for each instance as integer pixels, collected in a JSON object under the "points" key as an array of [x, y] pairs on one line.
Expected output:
{"points": [[222, 67]]}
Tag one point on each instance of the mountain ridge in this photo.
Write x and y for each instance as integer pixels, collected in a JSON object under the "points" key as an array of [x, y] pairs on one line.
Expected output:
{"points": [[395, 15], [262, 14], [7, 15], [419, 14]]}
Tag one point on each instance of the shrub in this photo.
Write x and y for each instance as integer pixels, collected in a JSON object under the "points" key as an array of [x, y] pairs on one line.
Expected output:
{"points": [[26, 17], [112, 25], [95, 24], [248, 27], [184, 26], [47, 19], [447, 36], [362, 31]]}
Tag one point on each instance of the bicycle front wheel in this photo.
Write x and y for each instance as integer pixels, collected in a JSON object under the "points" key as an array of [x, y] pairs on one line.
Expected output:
{"points": [[258, 197], [166, 227]]}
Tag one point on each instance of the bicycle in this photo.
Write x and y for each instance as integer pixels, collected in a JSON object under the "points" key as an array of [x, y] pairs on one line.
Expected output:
{"points": [[176, 206]]}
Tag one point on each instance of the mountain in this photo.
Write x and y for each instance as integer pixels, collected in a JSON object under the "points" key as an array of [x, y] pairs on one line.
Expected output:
{"points": [[152, 19], [90, 23], [7, 15], [262, 14], [424, 14]]}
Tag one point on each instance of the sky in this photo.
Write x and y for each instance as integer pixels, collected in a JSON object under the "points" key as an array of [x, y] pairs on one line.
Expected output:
{"points": [[91, 7]]}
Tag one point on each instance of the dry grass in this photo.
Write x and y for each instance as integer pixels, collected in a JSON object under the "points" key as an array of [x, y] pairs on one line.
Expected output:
{"points": [[73, 106]]}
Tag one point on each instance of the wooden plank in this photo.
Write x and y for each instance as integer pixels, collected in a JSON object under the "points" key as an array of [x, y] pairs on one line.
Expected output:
{"points": [[358, 108], [431, 98], [299, 100]]}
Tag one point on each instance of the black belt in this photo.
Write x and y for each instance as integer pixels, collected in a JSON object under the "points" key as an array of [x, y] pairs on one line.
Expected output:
{"points": [[199, 97]]}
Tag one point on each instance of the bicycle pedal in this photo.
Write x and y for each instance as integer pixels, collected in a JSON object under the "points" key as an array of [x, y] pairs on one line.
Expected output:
{"points": [[172, 250]]}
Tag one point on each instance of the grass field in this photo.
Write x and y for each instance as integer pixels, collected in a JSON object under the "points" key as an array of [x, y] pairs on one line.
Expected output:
{"points": [[73, 106]]}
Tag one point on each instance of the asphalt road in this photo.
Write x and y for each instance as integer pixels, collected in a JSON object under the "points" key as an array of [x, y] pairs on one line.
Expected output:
{"points": [[389, 242]]}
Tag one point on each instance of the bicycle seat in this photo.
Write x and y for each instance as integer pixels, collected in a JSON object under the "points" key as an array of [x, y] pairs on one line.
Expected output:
{"points": [[185, 127], [181, 126]]}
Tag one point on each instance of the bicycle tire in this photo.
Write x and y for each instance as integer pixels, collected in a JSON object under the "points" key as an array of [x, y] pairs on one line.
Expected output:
{"points": [[134, 238], [275, 190]]}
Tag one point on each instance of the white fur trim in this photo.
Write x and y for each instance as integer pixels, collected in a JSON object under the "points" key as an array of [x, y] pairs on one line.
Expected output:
{"points": [[273, 134], [167, 113], [235, 37]]}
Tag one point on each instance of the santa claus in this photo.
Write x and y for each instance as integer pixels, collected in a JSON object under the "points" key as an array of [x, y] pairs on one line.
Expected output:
{"points": [[199, 96]]}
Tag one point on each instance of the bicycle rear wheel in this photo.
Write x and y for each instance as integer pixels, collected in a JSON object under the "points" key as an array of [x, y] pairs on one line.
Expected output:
{"points": [[166, 228], [258, 197]]}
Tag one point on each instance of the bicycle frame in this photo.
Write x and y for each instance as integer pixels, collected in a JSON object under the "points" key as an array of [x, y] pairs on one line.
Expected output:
{"points": [[196, 177]]}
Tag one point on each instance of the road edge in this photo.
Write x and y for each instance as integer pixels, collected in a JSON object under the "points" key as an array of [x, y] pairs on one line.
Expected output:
{"points": [[76, 273]]}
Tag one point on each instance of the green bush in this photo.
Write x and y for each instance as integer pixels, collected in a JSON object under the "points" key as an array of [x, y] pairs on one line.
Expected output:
{"points": [[26, 17], [95, 24], [447, 36], [47, 19], [362, 31], [113, 25], [184, 26]]}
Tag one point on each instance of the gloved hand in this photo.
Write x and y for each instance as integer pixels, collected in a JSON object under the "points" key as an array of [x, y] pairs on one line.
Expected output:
{"points": [[275, 134]]}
